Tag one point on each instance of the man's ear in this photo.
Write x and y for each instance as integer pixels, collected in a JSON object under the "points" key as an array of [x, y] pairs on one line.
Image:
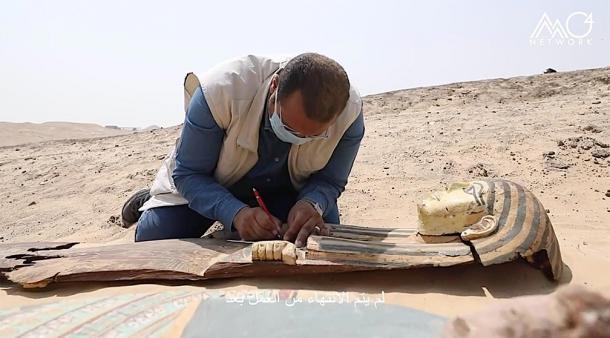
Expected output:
{"points": [[274, 82]]}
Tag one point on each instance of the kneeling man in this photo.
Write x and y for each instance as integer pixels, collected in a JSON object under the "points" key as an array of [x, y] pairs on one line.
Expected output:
{"points": [[290, 128]]}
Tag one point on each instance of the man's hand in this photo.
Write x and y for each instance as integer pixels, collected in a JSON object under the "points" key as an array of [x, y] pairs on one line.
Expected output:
{"points": [[254, 224], [303, 220]]}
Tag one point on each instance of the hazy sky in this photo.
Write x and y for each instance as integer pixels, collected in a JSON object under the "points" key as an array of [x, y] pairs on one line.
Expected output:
{"points": [[123, 62]]}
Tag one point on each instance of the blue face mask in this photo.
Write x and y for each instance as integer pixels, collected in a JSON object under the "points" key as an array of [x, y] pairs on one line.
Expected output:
{"points": [[279, 128]]}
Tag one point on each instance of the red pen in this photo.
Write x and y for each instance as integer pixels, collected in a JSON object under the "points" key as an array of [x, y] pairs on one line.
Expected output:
{"points": [[261, 204]]}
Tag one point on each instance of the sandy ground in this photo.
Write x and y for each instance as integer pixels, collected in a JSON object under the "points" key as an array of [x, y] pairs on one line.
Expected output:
{"points": [[547, 132]]}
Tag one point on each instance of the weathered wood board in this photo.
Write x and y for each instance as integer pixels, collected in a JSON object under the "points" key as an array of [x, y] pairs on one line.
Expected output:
{"points": [[524, 232], [10, 253], [38, 264], [191, 259]]}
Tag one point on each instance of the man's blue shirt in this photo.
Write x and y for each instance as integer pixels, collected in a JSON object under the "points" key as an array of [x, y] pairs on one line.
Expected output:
{"points": [[197, 156]]}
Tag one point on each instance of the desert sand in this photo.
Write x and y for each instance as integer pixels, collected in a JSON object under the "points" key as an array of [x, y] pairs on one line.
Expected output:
{"points": [[548, 132]]}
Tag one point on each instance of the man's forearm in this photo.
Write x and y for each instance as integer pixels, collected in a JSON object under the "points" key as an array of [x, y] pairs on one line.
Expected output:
{"points": [[321, 192], [209, 198]]}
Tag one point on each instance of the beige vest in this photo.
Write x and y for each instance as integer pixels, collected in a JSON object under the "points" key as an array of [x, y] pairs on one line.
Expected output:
{"points": [[236, 91]]}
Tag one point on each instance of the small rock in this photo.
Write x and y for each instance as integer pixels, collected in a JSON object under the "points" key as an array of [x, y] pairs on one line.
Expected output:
{"points": [[601, 144], [478, 170], [554, 164], [549, 154], [386, 167], [608, 193], [32, 203], [592, 128], [600, 153], [114, 220]]}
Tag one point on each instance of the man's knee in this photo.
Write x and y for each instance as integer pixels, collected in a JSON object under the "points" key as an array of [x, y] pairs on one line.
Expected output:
{"points": [[150, 226], [170, 222]]}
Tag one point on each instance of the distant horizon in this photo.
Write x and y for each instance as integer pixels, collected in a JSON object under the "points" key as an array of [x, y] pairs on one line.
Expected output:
{"points": [[371, 94], [94, 123], [124, 62]]}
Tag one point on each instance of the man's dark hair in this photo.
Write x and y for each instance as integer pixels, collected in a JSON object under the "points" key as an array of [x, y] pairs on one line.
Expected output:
{"points": [[322, 81]]}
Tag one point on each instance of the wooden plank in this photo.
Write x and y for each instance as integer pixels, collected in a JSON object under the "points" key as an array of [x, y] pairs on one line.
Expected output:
{"points": [[11, 250], [190, 259], [167, 259], [413, 254], [371, 233]]}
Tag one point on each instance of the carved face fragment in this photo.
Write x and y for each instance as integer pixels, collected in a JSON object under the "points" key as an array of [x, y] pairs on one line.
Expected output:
{"points": [[458, 210]]}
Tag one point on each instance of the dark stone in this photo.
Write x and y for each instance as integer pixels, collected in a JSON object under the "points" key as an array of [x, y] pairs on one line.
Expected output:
{"points": [[478, 170], [601, 144], [554, 164], [600, 153], [592, 128]]}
